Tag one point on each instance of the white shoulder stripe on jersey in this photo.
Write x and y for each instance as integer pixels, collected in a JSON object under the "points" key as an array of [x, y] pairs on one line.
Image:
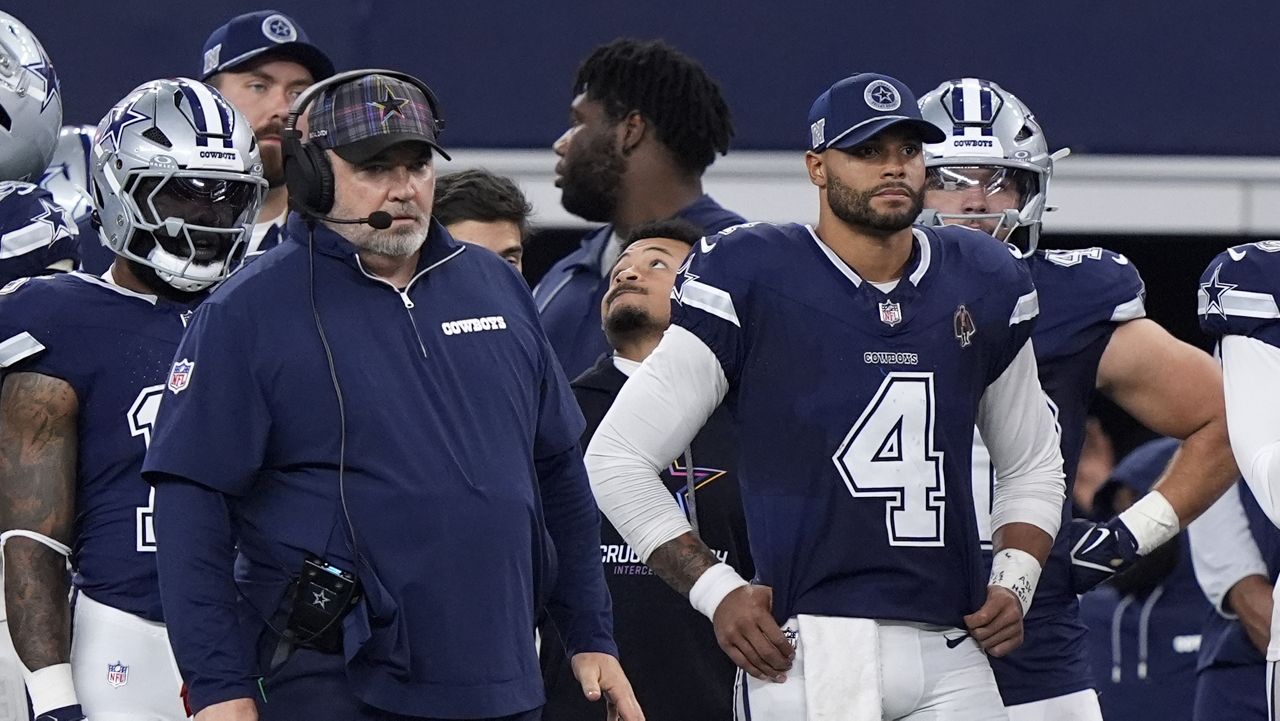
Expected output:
{"points": [[710, 299], [1130, 310], [24, 240], [840, 265], [926, 256], [1027, 307], [21, 346], [1242, 303]]}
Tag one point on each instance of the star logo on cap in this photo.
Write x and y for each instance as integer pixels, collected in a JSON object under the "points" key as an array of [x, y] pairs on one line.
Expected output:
{"points": [[278, 29], [44, 70], [1216, 289], [881, 96], [390, 105]]}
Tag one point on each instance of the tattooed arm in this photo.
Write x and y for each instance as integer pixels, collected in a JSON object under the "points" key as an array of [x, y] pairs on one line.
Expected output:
{"points": [[37, 493]]}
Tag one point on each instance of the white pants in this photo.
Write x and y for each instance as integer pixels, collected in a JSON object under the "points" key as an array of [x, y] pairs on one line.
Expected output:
{"points": [[921, 680], [122, 666], [13, 692], [1078, 706]]}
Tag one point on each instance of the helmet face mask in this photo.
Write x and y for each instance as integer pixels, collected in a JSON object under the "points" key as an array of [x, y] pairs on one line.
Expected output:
{"points": [[177, 182], [30, 103], [993, 141]]}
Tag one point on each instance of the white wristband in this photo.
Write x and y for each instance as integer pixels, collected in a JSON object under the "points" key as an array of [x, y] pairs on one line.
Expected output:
{"points": [[1152, 521], [51, 688], [1017, 571], [712, 586]]}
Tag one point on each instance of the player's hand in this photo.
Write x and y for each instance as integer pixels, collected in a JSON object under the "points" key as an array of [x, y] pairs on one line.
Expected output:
{"points": [[1250, 599], [65, 713], [239, 709], [600, 673], [997, 626], [1099, 551], [747, 632]]}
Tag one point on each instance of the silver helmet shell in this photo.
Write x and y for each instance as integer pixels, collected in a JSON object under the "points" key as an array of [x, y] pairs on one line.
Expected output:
{"points": [[168, 136], [30, 103], [67, 177], [987, 126]]}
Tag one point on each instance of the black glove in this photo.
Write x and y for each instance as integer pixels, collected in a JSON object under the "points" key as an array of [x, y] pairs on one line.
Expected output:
{"points": [[65, 713], [1099, 551]]}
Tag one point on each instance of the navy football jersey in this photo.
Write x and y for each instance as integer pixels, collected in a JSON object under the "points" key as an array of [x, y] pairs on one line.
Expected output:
{"points": [[115, 348], [1238, 293], [1084, 294], [856, 410], [35, 232]]}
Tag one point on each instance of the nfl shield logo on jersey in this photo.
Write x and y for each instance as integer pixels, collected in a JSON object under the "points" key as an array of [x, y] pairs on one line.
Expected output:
{"points": [[117, 674], [180, 378], [890, 313]]}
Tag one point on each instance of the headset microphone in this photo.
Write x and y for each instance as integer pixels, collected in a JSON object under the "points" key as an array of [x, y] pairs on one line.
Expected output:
{"points": [[378, 219]]}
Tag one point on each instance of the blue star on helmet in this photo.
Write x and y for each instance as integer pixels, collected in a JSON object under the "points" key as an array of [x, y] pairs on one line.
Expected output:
{"points": [[884, 95], [54, 218], [1216, 289], [44, 69], [121, 118], [390, 105]]}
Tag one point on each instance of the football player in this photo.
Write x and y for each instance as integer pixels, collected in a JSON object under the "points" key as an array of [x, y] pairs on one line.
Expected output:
{"points": [[992, 173], [856, 356], [177, 181], [36, 234], [1237, 305]]}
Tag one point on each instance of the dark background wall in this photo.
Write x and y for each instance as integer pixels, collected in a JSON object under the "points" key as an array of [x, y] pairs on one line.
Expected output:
{"points": [[1140, 76]]}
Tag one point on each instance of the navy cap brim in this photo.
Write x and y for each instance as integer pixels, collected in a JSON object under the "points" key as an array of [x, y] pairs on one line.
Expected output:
{"points": [[858, 134], [363, 150], [305, 54]]}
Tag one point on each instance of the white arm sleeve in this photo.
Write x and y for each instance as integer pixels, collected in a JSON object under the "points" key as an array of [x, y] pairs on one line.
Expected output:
{"points": [[658, 412], [1019, 429], [1250, 368], [1223, 550]]}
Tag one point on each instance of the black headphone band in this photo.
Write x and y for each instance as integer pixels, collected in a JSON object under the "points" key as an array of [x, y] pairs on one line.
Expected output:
{"points": [[310, 94]]}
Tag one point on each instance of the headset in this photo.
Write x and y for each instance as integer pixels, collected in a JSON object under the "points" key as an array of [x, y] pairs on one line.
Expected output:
{"points": [[308, 173]]}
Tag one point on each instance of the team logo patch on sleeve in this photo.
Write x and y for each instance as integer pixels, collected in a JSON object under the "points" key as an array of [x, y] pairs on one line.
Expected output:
{"points": [[965, 328], [180, 377], [117, 674]]}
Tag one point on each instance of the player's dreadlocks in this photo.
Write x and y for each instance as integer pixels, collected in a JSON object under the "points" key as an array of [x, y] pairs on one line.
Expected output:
{"points": [[667, 87]]}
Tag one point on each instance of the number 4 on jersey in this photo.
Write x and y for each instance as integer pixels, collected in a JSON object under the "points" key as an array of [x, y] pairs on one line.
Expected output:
{"points": [[890, 454], [142, 418]]}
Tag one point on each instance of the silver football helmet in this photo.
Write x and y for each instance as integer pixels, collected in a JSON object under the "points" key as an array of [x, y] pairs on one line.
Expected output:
{"points": [[177, 181], [30, 103], [995, 161], [67, 177]]}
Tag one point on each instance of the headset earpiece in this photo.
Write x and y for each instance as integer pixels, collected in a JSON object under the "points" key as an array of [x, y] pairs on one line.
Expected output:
{"points": [[307, 173]]}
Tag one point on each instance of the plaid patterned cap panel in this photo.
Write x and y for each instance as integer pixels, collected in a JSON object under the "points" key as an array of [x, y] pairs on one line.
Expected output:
{"points": [[374, 105]]}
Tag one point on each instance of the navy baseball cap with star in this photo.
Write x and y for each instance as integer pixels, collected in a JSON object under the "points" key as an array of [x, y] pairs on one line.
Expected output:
{"points": [[366, 115], [253, 35], [856, 108]]}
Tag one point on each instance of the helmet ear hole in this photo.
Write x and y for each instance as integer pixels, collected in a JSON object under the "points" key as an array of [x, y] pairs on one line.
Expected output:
{"points": [[6, 122], [1023, 133]]}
